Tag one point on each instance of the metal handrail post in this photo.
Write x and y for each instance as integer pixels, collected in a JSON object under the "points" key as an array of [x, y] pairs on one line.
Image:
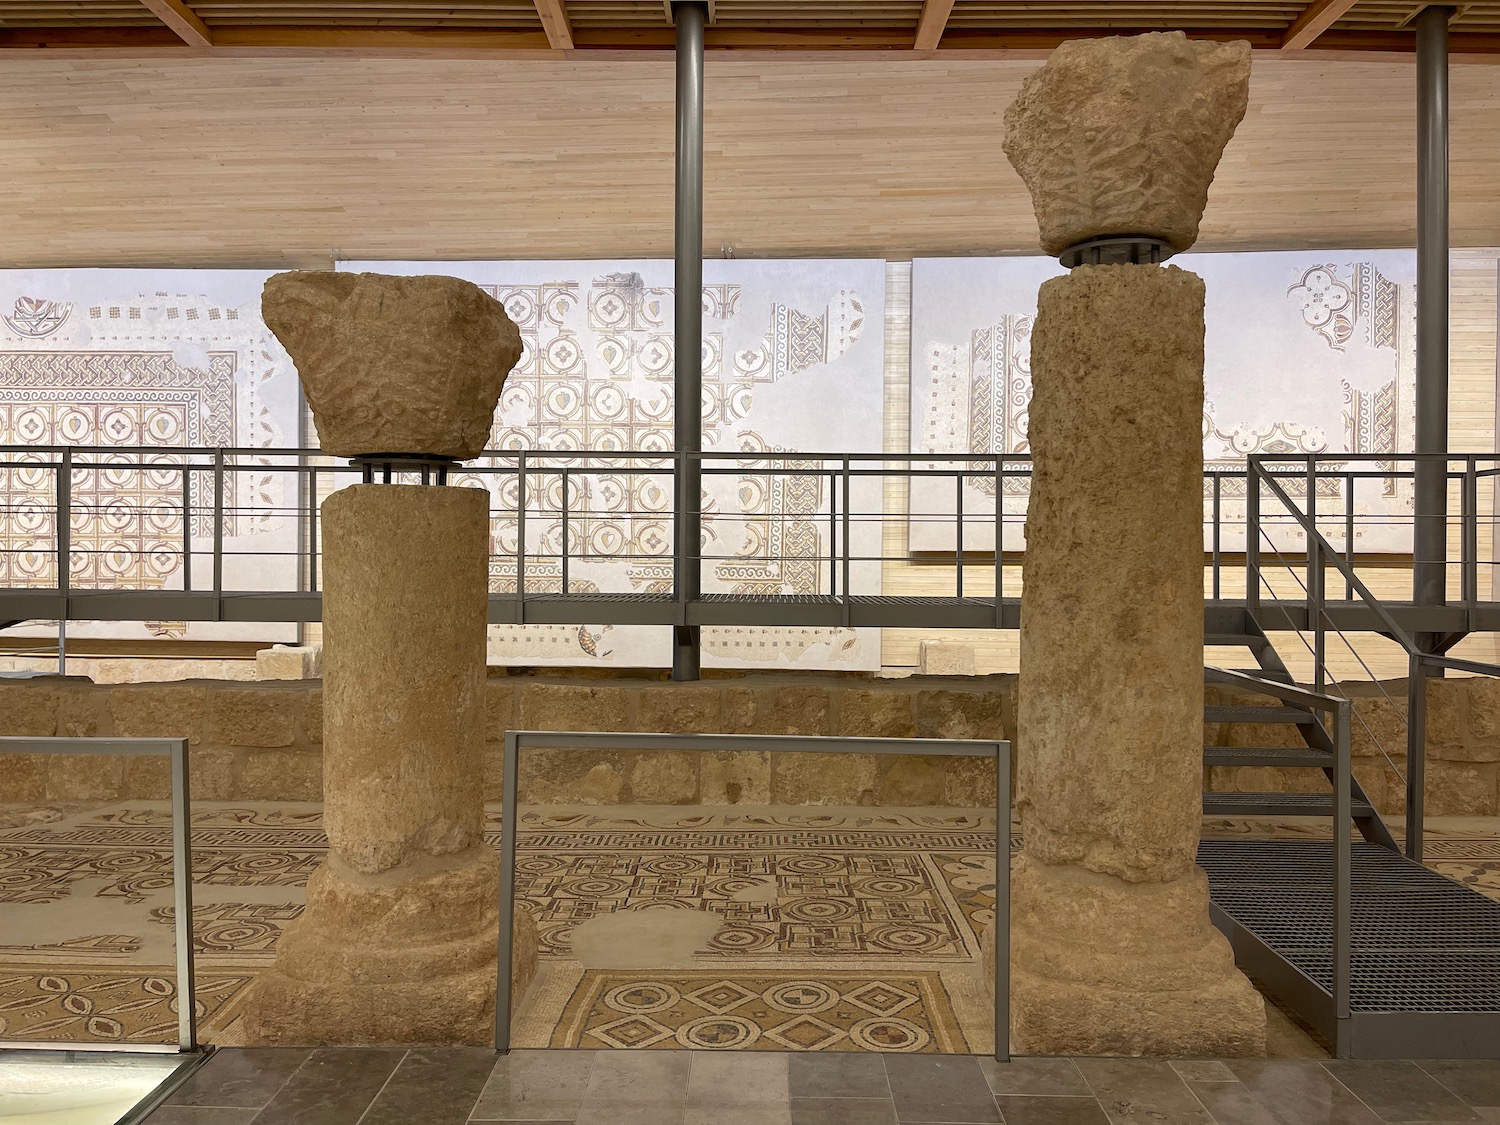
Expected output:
{"points": [[1470, 535], [1315, 576], [958, 577], [1216, 536], [219, 534], [833, 536], [182, 862], [1349, 532], [521, 538], [563, 550], [187, 527], [999, 540], [1002, 906], [64, 488], [848, 548], [1343, 871], [312, 529], [1416, 753], [1252, 536]]}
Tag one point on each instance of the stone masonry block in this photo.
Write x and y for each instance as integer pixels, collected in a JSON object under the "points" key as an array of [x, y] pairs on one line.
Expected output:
{"points": [[876, 714], [777, 709], [575, 707], [159, 710], [680, 709], [666, 777], [823, 779], [280, 775], [740, 777], [85, 777], [961, 714], [254, 716], [29, 709]]}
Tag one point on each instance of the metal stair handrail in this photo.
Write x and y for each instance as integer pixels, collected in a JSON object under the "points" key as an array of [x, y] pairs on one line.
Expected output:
{"points": [[1319, 553]]}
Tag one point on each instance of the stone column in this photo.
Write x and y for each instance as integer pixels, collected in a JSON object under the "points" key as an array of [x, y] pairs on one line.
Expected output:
{"points": [[397, 943], [1113, 951]]}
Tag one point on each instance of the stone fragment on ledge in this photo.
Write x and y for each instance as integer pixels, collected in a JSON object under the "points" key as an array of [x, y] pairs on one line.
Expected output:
{"points": [[1121, 136], [394, 364]]}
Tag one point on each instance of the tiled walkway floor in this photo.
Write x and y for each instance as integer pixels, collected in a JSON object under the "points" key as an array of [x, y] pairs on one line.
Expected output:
{"points": [[451, 1087]]}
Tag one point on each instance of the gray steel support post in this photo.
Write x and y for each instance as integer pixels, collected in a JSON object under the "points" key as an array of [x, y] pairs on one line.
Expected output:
{"points": [[1430, 534], [688, 343]]}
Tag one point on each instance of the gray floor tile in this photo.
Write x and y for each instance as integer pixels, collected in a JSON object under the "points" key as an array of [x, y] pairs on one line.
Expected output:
{"points": [[946, 1088], [1231, 1103], [240, 1076], [1476, 1081], [535, 1086], [1135, 1090], [740, 1078], [764, 1114], [631, 1113], [843, 1111], [1038, 1110], [1400, 1091], [1301, 1092], [816, 1075], [1035, 1076], [435, 1087], [623, 1077], [200, 1115], [1202, 1070], [334, 1086]]}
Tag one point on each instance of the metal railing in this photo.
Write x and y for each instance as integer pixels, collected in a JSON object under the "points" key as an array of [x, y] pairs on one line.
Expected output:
{"points": [[517, 740], [182, 870], [1421, 662]]}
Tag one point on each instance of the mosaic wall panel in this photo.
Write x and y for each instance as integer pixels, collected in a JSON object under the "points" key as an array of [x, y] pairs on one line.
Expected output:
{"points": [[793, 353], [1305, 352], [165, 358]]}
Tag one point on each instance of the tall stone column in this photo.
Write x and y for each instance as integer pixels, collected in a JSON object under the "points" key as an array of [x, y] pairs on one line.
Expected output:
{"points": [[398, 940], [1113, 950]]}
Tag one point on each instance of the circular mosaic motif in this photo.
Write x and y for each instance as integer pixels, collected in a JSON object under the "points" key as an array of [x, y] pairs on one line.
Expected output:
{"points": [[810, 864], [718, 1033], [888, 886], [886, 1033], [642, 997], [819, 910], [741, 939], [801, 996], [908, 939], [597, 887]]}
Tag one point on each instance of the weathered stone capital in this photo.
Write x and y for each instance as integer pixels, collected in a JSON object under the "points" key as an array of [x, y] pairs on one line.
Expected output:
{"points": [[1121, 136], [394, 364]]}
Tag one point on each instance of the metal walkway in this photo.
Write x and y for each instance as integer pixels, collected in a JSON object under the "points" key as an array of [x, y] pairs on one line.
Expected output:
{"points": [[1424, 956]]}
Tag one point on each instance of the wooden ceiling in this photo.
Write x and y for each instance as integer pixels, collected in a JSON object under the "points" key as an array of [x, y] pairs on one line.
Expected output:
{"points": [[464, 27]]}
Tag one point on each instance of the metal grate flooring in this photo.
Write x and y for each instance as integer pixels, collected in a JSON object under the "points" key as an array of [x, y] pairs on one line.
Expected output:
{"points": [[1421, 942]]}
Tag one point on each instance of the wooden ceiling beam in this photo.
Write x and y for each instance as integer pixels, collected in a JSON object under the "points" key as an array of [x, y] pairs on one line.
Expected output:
{"points": [[930, 25], [1315, 19], [183, 21], [554, 15]]}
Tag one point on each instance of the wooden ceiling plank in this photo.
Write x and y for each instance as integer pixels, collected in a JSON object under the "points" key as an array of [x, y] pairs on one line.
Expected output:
{"points": [[555, 23], [930, 25], [182, 20], [1315, 19]]}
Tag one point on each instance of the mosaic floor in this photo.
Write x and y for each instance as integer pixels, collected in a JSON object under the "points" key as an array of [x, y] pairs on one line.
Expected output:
{"points": [[842, 930]]}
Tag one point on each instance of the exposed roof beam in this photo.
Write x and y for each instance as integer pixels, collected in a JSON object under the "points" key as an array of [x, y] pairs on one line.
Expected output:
{"points": [[931, 24], [1315, 19], [554, 15], [182, 20]]}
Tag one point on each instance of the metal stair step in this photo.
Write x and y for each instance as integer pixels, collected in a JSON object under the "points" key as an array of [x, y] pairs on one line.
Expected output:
{"points": [[1266, 756], [1234, 640], [1278, 804], [1295, 715]]}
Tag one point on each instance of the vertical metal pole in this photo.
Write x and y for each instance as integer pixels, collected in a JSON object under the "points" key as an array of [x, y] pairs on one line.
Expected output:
{"points": [[833, 535], [1470, 530], [312, 529], [1343, 872], [301, 499], [1218, 539], [1252, 536], [507, 893], [564, 549], [1349, 532], [1430, 538], [958, 559], [218, 534], [999, 540], [187, 526], [1002, 902], [848, 548], [521, 538], [1416, 755], [688, 342], [64, 554], [182, 888]]}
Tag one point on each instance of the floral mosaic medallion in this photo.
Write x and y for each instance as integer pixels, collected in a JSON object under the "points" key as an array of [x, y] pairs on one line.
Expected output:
{"points": [[840, 1010]]}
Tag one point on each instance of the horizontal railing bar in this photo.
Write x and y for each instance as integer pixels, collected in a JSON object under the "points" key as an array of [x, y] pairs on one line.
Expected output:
{"points": [[775, 743]]}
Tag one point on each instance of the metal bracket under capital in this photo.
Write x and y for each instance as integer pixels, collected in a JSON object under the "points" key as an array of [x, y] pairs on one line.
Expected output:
{"points": [[1117, 250], [391, 463]]}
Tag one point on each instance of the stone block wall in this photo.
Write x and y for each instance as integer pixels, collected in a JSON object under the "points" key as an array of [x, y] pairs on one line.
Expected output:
{"points": [[1463, 747], [262, 741]]}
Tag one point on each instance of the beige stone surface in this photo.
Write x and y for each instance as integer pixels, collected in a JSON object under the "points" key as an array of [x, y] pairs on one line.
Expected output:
{"points": [[23, 777], [1105, 967], [289, 662], [776, 709], [961, 714], [159, 710], [664, 777], [558, 776], [823, 779], [312, 715], [876, 714], [907, 780], [1120, 136], [29, 709], [406, 956], [1484, 715], [575, 707], [85, 777], [499, 709], [1446, 714], [969, 783], [945, 658], [1111, 699], [680, 709], [741, 777], [210, 776], [394, 364], [254, 716], [1460, 789], [405, 588], [281, 775]]}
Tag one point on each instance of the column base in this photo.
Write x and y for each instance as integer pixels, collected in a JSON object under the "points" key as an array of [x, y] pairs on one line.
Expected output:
{"points": [[404, 958], [1105, 967]]}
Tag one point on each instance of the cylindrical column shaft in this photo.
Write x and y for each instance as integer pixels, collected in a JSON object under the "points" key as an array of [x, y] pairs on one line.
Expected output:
{"points": [[1430, 538], [688, 346]]}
